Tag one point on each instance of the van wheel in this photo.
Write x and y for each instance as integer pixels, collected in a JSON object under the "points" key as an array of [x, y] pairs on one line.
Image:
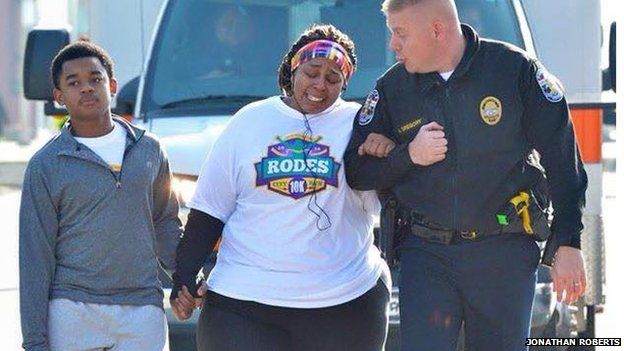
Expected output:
{"points": [[550, 331], [590, 329]]}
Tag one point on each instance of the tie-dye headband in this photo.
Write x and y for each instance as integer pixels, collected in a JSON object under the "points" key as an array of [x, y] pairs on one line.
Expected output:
{"points": [[327, 49]]}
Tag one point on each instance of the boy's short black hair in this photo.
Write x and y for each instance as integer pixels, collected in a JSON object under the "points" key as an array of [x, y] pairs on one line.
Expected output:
{"points": [[76, 50]]}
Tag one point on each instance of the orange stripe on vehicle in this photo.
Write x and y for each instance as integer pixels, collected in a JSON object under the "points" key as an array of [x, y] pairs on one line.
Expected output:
{"points": [[588, 130]]}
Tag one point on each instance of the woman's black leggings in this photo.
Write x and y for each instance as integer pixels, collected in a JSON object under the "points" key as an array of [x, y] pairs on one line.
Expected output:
{"points": [[227, 324]]}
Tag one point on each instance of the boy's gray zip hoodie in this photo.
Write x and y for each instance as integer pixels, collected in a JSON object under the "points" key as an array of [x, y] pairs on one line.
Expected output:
{"points": [[92, 235]]}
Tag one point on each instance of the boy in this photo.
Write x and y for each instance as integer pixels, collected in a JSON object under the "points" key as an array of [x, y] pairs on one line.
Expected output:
{"points": [[97, 211]]}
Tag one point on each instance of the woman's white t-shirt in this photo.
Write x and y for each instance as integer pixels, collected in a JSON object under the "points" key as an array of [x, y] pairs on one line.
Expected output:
{"points": [[284, 244]]}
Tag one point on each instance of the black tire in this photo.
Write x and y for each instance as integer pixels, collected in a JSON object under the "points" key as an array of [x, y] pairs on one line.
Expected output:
{"points": [[550, 331], [589, 332]]}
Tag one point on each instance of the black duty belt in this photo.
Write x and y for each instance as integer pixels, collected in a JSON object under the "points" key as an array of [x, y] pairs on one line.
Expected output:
{"points": [[436, 233]]}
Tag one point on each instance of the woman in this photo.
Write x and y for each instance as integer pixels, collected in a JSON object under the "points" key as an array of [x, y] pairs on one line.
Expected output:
{"points": [[296, 268]]}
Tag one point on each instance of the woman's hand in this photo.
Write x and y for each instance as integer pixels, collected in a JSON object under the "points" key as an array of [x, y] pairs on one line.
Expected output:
{"points": [[184, 304], [376, 145]]}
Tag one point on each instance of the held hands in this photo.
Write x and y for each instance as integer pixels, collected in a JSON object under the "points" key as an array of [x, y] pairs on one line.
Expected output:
{"points": [[376, 145], [429, 145], [568, 273], [183, 305]]}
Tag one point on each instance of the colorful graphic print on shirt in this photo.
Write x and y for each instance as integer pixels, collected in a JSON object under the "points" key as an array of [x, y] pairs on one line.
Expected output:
{"points": [[297, 166]]}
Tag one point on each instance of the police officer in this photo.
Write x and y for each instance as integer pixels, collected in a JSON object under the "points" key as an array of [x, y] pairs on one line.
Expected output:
{"points": [[466, 113]]}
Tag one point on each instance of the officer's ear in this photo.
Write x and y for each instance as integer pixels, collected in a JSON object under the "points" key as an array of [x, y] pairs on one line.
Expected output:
{"points": [[439, 29]]}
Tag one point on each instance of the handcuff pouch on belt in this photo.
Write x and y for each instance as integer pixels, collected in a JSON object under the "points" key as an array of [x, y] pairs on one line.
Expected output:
{"points": [[432, 232]]}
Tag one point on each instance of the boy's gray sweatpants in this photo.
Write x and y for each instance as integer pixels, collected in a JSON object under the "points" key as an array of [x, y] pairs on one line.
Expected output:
{"points": [[77, 326]]}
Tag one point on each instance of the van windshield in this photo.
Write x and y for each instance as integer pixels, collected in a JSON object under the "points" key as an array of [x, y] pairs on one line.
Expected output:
{"points": [[232, 48]]}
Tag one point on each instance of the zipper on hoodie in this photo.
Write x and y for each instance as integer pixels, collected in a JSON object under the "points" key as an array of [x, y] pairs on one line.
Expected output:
{"points": [[117, 179], [123, 158]]}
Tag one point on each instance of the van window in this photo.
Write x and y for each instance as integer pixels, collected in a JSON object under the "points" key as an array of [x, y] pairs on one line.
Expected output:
{"points": [[211, 49], [495, 19]]}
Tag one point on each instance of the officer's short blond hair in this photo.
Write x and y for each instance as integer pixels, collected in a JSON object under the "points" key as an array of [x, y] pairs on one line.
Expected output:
{"points": [[397, 5]]}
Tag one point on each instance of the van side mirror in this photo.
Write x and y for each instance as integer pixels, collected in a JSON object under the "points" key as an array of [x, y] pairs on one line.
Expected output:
{"points": [[41, 47], [609, 74], [126, 97]]}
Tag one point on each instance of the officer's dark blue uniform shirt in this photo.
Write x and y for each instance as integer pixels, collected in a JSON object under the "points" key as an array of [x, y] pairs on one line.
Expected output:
{"points": [[498, 105]]}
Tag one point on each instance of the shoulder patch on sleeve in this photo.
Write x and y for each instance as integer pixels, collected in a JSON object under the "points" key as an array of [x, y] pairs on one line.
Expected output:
{"points": [[368, 110], [551, 88]]}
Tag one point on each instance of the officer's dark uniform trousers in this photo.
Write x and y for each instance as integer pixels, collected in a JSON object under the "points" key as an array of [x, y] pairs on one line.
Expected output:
{"points": [[498, 105], [487, 283]]}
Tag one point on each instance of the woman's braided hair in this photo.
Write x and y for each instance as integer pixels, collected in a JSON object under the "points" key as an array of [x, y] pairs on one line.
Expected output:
{"points": [[315, 32]]}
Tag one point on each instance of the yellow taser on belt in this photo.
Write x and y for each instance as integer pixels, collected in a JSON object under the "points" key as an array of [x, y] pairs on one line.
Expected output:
{"points": [[521, 203]]}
